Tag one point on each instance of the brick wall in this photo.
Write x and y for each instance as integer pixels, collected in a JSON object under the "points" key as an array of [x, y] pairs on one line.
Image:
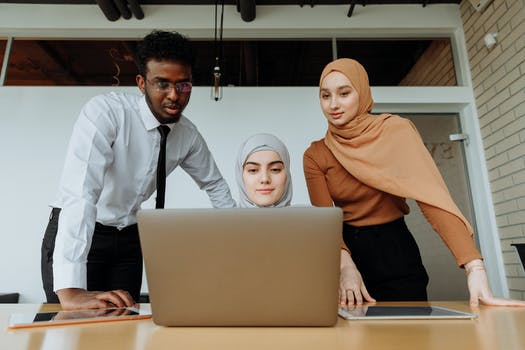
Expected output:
{"points": [[435, 67], [498, 78]]}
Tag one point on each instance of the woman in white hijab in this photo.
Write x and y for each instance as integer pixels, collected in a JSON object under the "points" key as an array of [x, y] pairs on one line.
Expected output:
{"points": [[262, 171]]}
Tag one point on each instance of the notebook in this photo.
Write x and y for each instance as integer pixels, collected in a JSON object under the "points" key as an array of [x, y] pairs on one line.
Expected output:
{"points": [[242, 267]]}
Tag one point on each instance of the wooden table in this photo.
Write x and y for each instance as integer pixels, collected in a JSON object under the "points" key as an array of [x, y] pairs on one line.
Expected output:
{"points": [[495, 328]]}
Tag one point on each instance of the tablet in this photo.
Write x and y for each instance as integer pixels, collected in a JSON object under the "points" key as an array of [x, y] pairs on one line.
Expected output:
{"points": [[374, 312], [40, 319]]}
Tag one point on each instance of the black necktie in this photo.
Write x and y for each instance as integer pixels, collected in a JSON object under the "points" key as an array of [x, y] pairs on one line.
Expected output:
{"points": [[161, 167]]}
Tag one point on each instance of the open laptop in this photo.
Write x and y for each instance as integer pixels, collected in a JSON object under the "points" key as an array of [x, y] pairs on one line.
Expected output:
{"points": [[242, 267]]}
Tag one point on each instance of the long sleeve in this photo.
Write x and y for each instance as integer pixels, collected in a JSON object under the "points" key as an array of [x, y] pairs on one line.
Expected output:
{"points": [[316, 182], [88, 156], [453, 232], [317, 187]]}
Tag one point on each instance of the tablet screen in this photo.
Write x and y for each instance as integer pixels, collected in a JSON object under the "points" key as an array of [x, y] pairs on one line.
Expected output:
{"points": [[22, 320], [400, 312]]}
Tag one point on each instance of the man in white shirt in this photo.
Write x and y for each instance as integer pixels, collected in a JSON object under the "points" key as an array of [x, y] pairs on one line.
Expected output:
{"points": [[91, 256]]}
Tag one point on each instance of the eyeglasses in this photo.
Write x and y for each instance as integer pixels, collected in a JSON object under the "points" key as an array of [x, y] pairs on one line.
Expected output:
{"points": [[163, 86]]}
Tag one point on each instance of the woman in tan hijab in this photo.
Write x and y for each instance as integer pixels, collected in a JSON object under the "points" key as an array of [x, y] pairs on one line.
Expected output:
{"points": [[368, 165]]}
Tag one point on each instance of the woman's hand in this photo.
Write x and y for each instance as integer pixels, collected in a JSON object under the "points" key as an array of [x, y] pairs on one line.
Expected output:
{"points": [[479, 290], [352, 289]]}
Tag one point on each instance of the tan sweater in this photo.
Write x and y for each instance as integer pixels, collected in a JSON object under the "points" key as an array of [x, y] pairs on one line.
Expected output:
{"points": [[330, 184]]}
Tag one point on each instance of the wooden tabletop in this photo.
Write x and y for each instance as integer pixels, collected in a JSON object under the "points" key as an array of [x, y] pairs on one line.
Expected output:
{"points": [[495, 328]]}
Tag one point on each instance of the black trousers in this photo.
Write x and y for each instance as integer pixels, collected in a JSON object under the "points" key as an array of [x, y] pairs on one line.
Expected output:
{"points": [[114, 259], [389, 261]]}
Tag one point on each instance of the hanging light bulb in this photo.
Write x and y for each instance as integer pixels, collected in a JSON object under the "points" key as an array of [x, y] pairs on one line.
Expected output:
{"points": [[216, 84], [216, 88]]}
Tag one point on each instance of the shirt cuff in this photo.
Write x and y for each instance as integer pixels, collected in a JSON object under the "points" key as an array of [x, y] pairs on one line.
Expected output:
{"points": [[69, 276]]}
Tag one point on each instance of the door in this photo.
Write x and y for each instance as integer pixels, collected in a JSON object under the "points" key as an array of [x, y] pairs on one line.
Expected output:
{"points": [[447, 280]]}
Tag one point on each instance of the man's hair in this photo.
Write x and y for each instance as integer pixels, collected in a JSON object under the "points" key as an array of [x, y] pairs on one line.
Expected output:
{"points": [[163, 46]]}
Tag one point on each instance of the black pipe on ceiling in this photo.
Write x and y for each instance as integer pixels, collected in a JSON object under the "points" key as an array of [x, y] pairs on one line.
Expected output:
{"points": [[109, 9], [122, 6], [134, 6], [114, 9], [247, 9]]}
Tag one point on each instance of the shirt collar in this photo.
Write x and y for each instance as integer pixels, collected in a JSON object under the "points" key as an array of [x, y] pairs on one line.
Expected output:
{"points": [[149, 120]]}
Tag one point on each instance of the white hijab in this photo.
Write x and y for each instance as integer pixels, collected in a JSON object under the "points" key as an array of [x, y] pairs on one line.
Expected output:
{"points": [[262, 142]]}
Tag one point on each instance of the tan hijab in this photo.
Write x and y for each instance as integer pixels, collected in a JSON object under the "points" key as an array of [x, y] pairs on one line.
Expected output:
{"points": [[385, 151]]}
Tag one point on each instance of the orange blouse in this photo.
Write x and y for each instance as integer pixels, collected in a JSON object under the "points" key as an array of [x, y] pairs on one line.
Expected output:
{"points": [[330, 184]]}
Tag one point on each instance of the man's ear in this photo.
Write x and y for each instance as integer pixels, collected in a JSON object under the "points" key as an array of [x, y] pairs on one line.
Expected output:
{"points": [[141, 83]]}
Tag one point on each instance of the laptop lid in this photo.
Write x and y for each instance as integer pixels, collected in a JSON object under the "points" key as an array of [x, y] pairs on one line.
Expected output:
{"points": [[242, 267]]}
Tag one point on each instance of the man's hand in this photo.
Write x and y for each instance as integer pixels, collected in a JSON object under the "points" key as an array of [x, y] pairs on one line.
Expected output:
{"points": [[92, 313], [75, 298], [479, 288], [352, 289]]}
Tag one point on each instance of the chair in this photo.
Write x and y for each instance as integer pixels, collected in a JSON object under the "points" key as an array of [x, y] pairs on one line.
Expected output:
{"points": [[144, 298], [9, 298], [520, 248]]}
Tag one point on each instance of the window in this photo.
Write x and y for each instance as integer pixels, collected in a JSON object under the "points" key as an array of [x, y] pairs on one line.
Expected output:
{"points": [[403, 62], [3, 44], [258, 62], [265, 62], [71, 62]]}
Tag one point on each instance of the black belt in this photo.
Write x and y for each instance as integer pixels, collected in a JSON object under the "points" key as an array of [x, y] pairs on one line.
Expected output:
{"points": [[374, 228], [112, 229], [98, 226]]}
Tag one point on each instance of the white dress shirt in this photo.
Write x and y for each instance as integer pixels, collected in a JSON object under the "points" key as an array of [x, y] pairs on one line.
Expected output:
{"points": [[110, 169]]}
